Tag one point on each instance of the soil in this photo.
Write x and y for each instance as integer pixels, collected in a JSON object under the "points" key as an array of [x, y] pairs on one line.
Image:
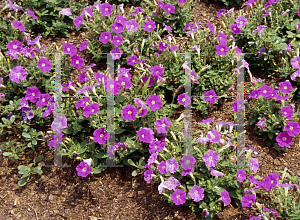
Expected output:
{"points": [[59, 193]]}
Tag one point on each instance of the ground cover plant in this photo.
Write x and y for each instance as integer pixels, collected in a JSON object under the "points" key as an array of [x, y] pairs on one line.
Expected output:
{"points": [[203, 179]]}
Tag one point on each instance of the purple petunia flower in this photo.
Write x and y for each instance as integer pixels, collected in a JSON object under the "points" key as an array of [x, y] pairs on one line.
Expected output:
{"points": [[197, 193], [43, 100], [225, 197], [234, 29], [156, 71], [172, 183], [248, 200], [117, 40], [211, 158], [162, 167], [83, 169], [17, 73], [101, 135], [169, 8], [83, 45], [178, 197], [173, 48], [146, 135], [287, 111], [31, 14], [154, 102], [285, 87], [222, 38], [14, 46], [69, 49], [262, 124], [172, 165], [148, 175], [83, 78], [77, 61], [214, 136], [121, 19], [56, 140], [117, 27], [129, 112], [260, 28], [162, 46], [241, 175], [238, 104], [210, 96], [59, 124], [211, 27], [149, 26], [125, 82], [18, 25], [284, 139], [222, 49], [221, 12], [132, 25], [137, 10], [32, 94], [269, 183], [65, 11], [156, 146], [184, 99], [91, 109], [241, 22], [105, 37], [162, 125], [116, 53], [106, 9], [260, 52], [44, 64], [78, 21], [82, 102], [295, 63], [253, 164], [293, 128]]}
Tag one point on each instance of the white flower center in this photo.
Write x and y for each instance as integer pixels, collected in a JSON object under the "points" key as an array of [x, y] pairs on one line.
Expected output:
{"points": [[285, 87], [84, 169], [210, 157], [77, 61], [163, 125], [153, 102], [68, 49], [101, 135], [129, 112], [43, 100], [149, 26], [43, 64], [196, 191], [92, 110], [284, 138], [143, 136], [15, 46], [291, 128], [285, 113], [132, 26], [19, 74], [116, 28], [222, 49], [33, 94], [123, 83], [106, 9]]}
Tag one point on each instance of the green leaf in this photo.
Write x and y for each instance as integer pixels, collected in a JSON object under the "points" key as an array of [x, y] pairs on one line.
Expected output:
{"points": [[26, 135], [135, 172], [7, 154], [23, 181], [119, 130], [12, 119], [39, 158], [131, 162], [34, 142], [38, 170]]}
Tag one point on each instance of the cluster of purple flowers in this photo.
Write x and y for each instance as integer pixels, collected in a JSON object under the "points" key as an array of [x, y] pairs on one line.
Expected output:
{"points": [[284, 139]]}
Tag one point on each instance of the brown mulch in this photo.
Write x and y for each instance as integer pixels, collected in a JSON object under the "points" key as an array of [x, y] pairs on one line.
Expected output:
{"points": [[114, 194]]}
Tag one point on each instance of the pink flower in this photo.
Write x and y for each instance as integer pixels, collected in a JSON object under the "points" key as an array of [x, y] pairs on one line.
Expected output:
{"points": [[18, 25], [77, 61], [44, 64], [83, 169]]}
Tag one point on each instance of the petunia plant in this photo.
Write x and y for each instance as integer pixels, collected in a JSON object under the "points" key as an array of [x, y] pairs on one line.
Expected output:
{"points": [[173, 13], [275, 116]]}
